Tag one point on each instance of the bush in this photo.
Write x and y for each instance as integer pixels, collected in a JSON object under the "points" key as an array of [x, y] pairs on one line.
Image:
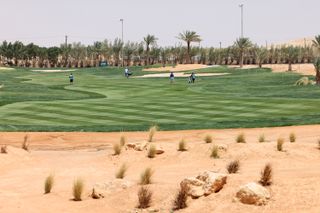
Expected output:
{"points": [[241, 138], [233, 166], [123, 140], [4, 149], [280, 143], [146, 176], [262, 138], [144, 197], [77, 189], [25, 144], [266, 175], [215, 152], [182, 146], [180, 201], [122, 171], [48, 184], [208, 139], [292, 137], [319, 144], [117, 149], [152, 151], [152, 132]]}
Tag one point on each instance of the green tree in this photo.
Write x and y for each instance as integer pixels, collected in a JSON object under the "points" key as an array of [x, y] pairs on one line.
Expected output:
{"points": [[242, 45], [149, 40], [189, 37]]}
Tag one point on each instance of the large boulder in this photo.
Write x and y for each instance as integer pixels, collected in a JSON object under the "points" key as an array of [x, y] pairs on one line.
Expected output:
{"points": [[195, 187], [253, 193]]}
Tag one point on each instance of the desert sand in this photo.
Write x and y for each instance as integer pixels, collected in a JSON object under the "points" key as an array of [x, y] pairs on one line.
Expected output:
{"points": [[70, 70], [179, 67], [295, 188]]}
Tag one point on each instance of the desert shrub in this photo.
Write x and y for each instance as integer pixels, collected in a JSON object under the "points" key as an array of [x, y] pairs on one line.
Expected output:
{"points": [[182, 145], [25, 144], [319, 144], [233, 166], [152, 132], [241, 138], [4, 149], [280, 143], [146, 176], [77, 189], [123, 140], [152, 151], [266, 175], [292, 137], [48, 184], [215, 152], [144, 197], [262, 138], [208, 139], [116, 149], [122, 171], [180, 201]]}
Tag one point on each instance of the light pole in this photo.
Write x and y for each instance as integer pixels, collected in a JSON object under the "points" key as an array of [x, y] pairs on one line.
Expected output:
{"points": [[241, 6], [122, 41]]}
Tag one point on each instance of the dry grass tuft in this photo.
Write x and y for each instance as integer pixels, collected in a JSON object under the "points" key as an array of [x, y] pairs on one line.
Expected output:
{"points": [[48, 184], [280, 143], [215, 152], [122, 171], [146, 176], [117, 149], [4, 149], [241, 138], [208, 139], [233, 166], [262, 138], [266, 175], [319, 144], [144, 197], [77, 189], [180, 201], [152, 151], [182, 146], [292, 137], [123, 140], [25, 144], [152, 132]]}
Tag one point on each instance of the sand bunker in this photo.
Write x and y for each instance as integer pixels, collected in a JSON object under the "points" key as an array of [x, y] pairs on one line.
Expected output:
{"points": [[303, 69], [71, 70], [179, 67], [180, 75], [6, 68]]}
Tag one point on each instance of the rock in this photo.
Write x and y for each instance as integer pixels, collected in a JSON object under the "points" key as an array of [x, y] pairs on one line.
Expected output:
{"points": [[159, 151], [214, 182], [141, 146], [110, 187], [95, 195], [130, 145], [222, 147], [253, 193]]}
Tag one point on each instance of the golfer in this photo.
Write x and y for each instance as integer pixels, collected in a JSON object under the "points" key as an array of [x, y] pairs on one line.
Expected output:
{"points": [[171, 77], [71, 78]]}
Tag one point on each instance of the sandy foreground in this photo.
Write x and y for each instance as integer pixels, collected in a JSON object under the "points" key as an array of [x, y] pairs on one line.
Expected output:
{"points": [[295, 188]]}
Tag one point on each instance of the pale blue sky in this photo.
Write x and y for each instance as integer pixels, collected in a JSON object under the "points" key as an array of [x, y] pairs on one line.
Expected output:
{"points": [[45, 22]]}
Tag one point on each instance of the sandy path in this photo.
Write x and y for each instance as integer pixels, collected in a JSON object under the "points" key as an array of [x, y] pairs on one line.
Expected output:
{"points": [[71, 70], [179, 67], [179, 75], [296, 186]]}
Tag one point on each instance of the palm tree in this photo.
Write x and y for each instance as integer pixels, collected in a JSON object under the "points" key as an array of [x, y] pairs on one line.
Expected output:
{"points": [[189, 37], [242, 44], [316, 62], [291, 54], [116, 48], [149, 40], [261, 54]]}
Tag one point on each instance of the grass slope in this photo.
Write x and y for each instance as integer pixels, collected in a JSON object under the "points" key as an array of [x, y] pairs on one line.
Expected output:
{"points": [[103, 100]]}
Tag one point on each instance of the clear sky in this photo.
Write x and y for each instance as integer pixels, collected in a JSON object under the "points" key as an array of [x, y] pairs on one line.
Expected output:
{"points": [[45, 22]]}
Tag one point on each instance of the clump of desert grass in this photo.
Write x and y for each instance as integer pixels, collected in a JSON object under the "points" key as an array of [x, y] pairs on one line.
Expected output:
{"points": [[208, 139], [94, 194], [319, 144], [180, 201], [117, 149], [241, 138], [77, 189], [262, 138], [215, 152], [233, 166], [182, 147], [152, 151], [123, 140], [146, 176], [144, 197], [266, 175], [280, 143], [4, 149], [292, 137], [48, 184], [152, 132], [120, 174], [25, 144]]}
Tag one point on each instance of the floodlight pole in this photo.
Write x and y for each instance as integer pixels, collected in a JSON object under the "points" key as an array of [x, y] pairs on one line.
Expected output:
{"points": [[122, 41], [241, 6]]}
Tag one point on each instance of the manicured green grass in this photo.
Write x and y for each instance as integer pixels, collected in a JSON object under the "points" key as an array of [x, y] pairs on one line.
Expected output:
{"points": [[103, 100]]}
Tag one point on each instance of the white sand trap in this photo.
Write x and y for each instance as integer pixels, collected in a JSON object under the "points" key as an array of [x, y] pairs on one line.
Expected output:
{"points": [[54, 70], [180, 75], [179, 68], [6, 68]]}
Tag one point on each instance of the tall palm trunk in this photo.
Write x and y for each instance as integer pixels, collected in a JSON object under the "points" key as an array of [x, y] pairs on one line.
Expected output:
{"points": [[188, 53], [318, 76], [290, 66], [241, 59]]}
